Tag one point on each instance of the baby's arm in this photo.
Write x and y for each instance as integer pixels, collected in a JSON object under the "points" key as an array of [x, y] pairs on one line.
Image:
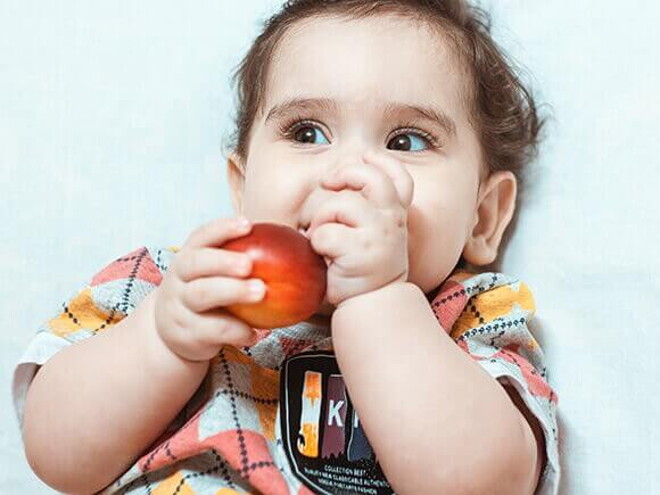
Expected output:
{"points": [[437, 421], [448, 427], [95, 406]]}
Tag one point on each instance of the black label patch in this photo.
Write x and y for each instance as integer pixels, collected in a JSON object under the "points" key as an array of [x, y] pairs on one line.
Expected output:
{"points": [[321, 433]]}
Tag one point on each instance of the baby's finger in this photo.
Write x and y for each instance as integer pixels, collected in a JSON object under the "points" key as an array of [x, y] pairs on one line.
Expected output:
{"points": [[401, 178], [345, 207], [217, 232], [369, 180], [329, 240], [204, 294], [205, 262], [219, 327]]}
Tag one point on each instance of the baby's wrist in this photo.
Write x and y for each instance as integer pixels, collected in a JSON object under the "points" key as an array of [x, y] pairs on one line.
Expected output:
{"points": [[388, 291], [158, 353], [392, 283]]}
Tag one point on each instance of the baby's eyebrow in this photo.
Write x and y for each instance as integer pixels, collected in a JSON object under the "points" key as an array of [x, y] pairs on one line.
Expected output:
{"points": [[436, 116], [293, 105], [391, 109]]}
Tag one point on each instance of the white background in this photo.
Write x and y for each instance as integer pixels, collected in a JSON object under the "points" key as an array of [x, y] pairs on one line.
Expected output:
{"points": [[112, 118]]}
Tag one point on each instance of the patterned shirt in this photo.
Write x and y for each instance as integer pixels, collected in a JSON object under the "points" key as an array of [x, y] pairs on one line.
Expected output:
{"points": [[275, 418]]}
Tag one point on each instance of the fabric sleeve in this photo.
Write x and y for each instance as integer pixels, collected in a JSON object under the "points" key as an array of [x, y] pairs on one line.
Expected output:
{"points": [[104, 300], [489, 316]]}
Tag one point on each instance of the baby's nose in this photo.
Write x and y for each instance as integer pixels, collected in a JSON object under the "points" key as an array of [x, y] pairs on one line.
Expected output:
{"points": [[354, 155]]}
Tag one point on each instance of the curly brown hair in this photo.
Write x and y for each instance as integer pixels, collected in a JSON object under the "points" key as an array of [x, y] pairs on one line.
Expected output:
{"points": [[502, 110]]}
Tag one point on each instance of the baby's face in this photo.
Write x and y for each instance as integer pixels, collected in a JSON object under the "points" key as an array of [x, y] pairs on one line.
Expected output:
{"points": [[338, 89]]}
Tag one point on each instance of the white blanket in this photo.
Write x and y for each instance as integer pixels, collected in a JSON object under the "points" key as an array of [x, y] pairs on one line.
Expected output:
{"points": [[588, 243]]}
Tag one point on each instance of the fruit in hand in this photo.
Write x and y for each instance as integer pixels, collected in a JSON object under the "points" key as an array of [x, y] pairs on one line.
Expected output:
{"points": [[294, 274]]}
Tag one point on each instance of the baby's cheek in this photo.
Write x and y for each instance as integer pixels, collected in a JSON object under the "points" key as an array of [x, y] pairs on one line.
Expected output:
{"points": [[432, 257]]}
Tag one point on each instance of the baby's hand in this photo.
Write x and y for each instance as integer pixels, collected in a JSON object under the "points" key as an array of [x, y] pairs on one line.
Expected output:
{"points": [[200, 281], [362, 229]]}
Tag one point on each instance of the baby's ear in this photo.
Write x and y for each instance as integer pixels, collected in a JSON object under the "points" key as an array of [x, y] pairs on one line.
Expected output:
{"points": [[497, 203], [236, 179]]}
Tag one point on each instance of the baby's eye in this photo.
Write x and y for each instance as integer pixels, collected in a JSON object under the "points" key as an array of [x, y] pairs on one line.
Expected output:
{"points": [[409, 141], [307, 133]]}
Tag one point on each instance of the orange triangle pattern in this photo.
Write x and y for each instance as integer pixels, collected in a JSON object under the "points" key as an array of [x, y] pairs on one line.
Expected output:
{"points": [[81, 312], [173, 484]]}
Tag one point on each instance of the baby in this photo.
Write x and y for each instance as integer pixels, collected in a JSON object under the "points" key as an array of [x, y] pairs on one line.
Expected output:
{"points": [[394, 135]]}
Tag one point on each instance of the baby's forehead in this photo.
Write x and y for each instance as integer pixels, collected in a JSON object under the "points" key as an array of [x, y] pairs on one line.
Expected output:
{"points": [[359, 62], [440, 40]]}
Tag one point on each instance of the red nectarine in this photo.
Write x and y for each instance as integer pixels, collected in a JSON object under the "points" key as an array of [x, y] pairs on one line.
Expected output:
{"points": [[294, 274]]}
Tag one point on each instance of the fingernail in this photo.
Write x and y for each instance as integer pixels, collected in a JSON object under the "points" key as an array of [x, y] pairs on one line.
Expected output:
{"points": [[256, 287], [244, 264]]}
